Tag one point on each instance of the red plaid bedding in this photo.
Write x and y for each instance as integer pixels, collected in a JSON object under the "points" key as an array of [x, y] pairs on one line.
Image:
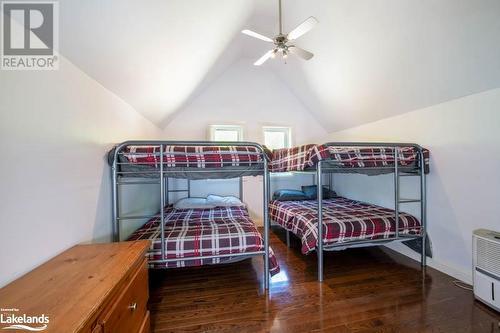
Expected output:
{"points": [[344, 220], [194, 156], [190, 233], [306, 156], [297, 158], [373, 157]]}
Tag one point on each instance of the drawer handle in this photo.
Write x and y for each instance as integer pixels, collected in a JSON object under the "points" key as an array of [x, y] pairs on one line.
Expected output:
{"points": [[133, 306]]}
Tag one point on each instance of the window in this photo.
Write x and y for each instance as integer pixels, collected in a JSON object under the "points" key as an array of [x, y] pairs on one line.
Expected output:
{"points": [[226, 133], [277, 137]]}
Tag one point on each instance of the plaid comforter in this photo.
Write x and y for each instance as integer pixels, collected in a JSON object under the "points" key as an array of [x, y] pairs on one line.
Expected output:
{"points": [[370, 157], [344, 220], [194, 156], [190, 233], [297, 158], [306, 156]]}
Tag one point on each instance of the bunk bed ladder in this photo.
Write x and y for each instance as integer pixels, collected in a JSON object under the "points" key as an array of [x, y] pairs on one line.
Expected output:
{"points": [[319, 250], [168, 191], [162, 201], [422, 200]]}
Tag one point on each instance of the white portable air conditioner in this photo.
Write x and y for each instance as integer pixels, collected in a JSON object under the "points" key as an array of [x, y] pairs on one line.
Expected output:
{"points": [[486, 267]]}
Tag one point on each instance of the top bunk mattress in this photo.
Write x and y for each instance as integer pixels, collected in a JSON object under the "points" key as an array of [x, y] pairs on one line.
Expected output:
{"points": [[356, 159], [189, 162]]}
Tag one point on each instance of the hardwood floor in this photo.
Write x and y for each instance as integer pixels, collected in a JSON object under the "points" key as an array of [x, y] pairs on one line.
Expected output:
{"points": [[365, 290]]}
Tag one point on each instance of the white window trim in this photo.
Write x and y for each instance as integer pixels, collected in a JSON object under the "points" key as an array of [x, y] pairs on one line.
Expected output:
{"points": [[214, 128], [279, 129], [289, 144]]}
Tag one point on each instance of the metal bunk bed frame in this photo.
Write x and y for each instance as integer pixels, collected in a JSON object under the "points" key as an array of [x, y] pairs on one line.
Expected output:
{"points": [[330, 167], [162, 174]]}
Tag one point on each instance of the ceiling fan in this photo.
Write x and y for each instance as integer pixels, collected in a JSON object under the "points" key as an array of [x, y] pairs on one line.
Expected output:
{"points": [[281, 41]]}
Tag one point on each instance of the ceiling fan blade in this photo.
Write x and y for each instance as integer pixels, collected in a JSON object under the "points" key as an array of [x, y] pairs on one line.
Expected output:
{"points": [[264, 58], [306, 55], [256, 35], [302, 28]]}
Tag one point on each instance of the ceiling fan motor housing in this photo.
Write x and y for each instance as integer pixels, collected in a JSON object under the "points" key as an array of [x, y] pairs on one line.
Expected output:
{"points": [[280, 40]]}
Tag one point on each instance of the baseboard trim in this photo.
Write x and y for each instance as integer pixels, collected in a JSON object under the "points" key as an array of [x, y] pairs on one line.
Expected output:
{"points": [[438, 265]]}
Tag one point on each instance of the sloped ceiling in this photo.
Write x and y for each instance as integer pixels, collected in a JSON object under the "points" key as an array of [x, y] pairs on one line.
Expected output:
{"points": [[378, 58], [373, 58], [154, 53]]}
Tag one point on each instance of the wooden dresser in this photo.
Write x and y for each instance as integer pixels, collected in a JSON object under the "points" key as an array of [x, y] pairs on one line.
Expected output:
{"points": [[88, 288]]}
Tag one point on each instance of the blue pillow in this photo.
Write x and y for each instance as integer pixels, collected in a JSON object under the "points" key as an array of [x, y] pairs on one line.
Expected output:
{"points": [[289, 195], [311, 192]]}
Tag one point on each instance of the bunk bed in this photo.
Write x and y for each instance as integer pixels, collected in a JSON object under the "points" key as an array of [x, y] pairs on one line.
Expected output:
{"points": [[194, 236], [338, 222]]}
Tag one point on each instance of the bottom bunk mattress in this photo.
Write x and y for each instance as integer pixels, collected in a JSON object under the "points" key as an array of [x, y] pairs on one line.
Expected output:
{"points": [[191, 233], [344, 220]]}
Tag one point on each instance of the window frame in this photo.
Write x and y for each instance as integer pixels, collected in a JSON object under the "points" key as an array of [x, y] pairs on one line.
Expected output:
{"points": [[282, 129], [213, 129]]}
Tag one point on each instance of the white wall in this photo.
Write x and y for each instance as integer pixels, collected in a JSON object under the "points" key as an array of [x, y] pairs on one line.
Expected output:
{"points": [[252, 97], [463, 136], [249, 96], [55, 129]]}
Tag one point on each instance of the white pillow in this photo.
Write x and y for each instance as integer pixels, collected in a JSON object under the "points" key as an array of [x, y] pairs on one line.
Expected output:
{"points": [[193, 203], [227, 201]]}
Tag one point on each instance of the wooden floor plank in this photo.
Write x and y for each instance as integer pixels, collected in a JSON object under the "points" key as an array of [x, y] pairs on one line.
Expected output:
{"points": [[365, 290]]}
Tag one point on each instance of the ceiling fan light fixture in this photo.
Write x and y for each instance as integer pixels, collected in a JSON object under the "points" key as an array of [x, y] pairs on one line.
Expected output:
{"points": [[281, 40]]}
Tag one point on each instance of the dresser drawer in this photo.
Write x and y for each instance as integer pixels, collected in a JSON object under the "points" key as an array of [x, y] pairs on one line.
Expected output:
{"points": [[129, 310]]}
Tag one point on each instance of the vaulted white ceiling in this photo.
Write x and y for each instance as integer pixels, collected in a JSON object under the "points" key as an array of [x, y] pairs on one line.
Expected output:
{"points": [[152, 53], [373, 58]]}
